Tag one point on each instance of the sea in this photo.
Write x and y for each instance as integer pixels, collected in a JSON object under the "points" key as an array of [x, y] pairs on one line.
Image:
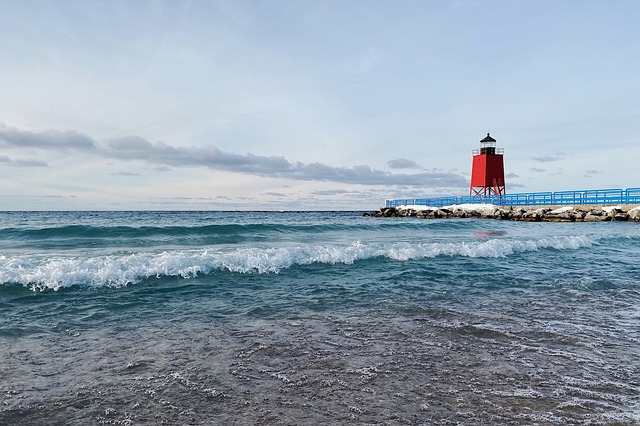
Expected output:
{"points": [[316, 318]]}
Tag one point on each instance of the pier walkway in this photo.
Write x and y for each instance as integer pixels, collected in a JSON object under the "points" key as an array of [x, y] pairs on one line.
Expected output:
{"points": [[560, 198]]}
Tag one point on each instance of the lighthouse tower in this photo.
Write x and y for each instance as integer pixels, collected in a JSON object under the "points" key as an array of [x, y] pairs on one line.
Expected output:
{"points": [[487, 171]]}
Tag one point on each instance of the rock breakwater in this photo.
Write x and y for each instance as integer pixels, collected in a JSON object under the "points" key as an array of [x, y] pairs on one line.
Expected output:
{"points": [[525, 214]]}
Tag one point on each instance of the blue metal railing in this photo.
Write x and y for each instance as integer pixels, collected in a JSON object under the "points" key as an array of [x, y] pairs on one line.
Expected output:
{"points": [[632, 196], [587, 196]]}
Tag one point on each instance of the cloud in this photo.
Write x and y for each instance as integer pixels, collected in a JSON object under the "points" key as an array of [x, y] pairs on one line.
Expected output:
{"points": [[516, 185], [512, 175], [537, 170], [367, 176], [592, 173], [30, 163], [549, 158], [22, 163], [47, 139], [330, 192], [137, 148], [164, 156], [402, 163], [160, 153], [125, 174]]}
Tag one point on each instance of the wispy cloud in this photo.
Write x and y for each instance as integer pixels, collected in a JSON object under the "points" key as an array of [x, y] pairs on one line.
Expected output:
{"points": [[551, 158], [592, 173], [556, 173], [330, 192], [30, 163], [43, 196], [125, 174], [402, 163], [22, 163], [537, 170], [515, 185]]}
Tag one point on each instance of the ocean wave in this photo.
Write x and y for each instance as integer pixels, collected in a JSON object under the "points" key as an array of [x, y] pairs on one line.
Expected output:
{"points": [[40, 272], [87, 231], [137, 232]]}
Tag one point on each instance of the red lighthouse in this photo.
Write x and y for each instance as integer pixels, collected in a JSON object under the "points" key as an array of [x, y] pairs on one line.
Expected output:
{"points": [[487, 171]]}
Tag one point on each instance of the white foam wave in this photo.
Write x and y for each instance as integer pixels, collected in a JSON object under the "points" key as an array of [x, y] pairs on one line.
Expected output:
{"points": [[55, 272]]}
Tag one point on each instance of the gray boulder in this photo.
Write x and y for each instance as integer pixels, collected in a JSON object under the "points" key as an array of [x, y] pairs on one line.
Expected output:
{"points": [[634, 214], [596, 215], [560, 215]]}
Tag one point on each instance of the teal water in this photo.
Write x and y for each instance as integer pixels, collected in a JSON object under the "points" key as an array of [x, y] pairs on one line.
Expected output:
{"points": [[316, 318]]}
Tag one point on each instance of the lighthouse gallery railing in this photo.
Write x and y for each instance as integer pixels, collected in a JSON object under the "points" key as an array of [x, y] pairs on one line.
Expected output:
{"points": [[582, 197]]}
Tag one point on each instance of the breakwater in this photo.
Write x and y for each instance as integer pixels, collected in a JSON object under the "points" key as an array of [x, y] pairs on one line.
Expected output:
{"points": [[563, 198], [621, 213]]}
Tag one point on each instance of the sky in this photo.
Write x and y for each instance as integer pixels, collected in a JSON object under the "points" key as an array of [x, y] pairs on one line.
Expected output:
{"points": [[310, 105]]}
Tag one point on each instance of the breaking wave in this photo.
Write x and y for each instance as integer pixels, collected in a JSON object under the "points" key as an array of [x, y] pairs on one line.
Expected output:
{"points": [[58, 271]]}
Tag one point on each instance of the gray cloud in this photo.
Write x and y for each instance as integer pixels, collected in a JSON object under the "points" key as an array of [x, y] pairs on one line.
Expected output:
{"points": [[537, 170], [30, 163], [512, 175], [402, 163], [165, 156], [551, 158], [47, 139], [22, 163], [591, 173], [331, 192], [125, 174], [515, 185], [136, 148]]}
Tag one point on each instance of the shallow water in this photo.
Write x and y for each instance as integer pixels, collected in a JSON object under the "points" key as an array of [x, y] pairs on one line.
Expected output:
{"points": [[316, 318]]}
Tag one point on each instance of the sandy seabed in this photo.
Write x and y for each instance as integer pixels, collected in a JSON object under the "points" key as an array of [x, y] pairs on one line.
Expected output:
{"points": [[417, 366]]}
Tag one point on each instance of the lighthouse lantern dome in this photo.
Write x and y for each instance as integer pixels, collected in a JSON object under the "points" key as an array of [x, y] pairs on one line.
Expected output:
{"points": [[488, 145]]}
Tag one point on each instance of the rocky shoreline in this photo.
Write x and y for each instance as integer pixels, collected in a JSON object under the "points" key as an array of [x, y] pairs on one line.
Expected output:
{"points": [[525, 214]]}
